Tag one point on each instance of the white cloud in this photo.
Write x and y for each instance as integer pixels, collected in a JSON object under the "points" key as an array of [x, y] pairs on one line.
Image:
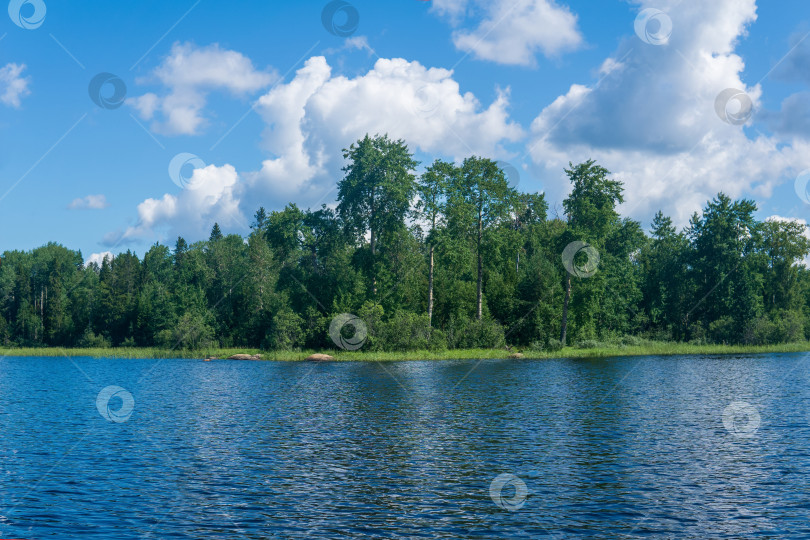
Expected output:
{"points": [[316, 114], [450, 8], [651, 118], [189, 73], [91, 202], [190, 213], [13, 86], [310, 119], [98, 258], [355, 43], [513, 31]]}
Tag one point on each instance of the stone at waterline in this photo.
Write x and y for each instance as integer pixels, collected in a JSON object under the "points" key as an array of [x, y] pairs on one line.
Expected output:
{"points": [[245, 357], [320, 357]]}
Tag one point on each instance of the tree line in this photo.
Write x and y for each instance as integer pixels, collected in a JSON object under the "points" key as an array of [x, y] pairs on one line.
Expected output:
{"points": [[452, 258]]}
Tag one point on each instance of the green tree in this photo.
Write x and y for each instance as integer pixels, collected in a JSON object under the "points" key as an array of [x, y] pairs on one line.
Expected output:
{"points": [[375, 194], [479, 197], [432, 191], [591, 213]]}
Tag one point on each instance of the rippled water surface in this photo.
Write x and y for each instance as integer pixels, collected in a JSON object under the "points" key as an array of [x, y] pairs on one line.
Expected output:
{"points": [[617, 448]]}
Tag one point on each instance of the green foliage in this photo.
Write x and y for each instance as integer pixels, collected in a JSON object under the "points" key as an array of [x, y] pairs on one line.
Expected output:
{"points": [[93, 341], [453, 259], [193, 332], [782, 326], [406, 331], [286, 333], [467, 333]]}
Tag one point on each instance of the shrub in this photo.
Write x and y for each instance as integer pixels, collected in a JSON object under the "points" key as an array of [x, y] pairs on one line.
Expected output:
{"points": [[286, 331], [536, 346], [405, 331], [789, 326], [93, 341], [723, 330], [555, 344], [631, 341], [438, 340], [782, 326], [588, 344], [464, 333], [192, 332]]}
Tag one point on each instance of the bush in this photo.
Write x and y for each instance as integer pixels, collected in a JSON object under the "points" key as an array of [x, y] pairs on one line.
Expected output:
{"points": [[789, 326], [588, 344], [405, 331], [536, 346], [438, 340], [286, 332], [723, 330], [465, 333], [93, 341], [782, 326], [697, 333], [631, 341], [555, 345], [192, 332]]}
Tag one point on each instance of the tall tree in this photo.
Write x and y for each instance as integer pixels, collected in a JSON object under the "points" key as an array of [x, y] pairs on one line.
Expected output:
{"points": [[481, 196], [216, 233], [591, 213], [375, 194], [723, 239], [432, 190]]}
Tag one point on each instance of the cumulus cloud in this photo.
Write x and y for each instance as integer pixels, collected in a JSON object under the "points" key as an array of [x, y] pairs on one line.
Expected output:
{"points": [[91, 202], [512, 31], [13, 86], [309, 120], [190, 73], [190, 213], [651, 118], [317, 113]]}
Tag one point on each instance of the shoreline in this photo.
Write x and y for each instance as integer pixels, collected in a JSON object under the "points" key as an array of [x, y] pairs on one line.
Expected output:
{"points": [[650, 349]]}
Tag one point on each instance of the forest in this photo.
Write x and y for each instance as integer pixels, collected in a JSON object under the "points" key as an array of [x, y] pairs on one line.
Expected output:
{"points": [[453, 258]]}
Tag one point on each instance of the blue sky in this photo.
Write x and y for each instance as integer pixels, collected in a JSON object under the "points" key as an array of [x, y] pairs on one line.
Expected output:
{"points": [[265, 97]]}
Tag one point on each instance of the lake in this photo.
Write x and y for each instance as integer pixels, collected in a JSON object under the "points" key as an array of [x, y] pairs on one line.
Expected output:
{"points": [[664, 447]]}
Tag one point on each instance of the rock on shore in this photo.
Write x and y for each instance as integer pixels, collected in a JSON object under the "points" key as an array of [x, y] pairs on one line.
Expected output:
{"points": [[245, 357], [320, 357]]}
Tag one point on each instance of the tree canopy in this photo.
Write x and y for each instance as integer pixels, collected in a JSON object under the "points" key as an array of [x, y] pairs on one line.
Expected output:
{"points": [[454, 257]]}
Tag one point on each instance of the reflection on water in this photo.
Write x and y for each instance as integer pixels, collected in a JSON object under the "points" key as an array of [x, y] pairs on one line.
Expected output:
{"points": [[618, 448]]}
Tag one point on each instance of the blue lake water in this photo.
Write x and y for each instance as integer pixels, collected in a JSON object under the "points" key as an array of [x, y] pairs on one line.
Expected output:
{"points": [[686, 447]]}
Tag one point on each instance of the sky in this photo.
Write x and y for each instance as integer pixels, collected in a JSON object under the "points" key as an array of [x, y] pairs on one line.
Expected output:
{"points": [[123, 124]]}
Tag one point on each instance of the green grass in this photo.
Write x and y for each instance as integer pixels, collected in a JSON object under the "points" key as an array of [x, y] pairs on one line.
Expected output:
{"points": [[646, 349]]}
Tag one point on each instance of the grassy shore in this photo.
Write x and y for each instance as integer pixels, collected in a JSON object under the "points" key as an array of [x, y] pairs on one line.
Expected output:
{"points": [[647, 349]]}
